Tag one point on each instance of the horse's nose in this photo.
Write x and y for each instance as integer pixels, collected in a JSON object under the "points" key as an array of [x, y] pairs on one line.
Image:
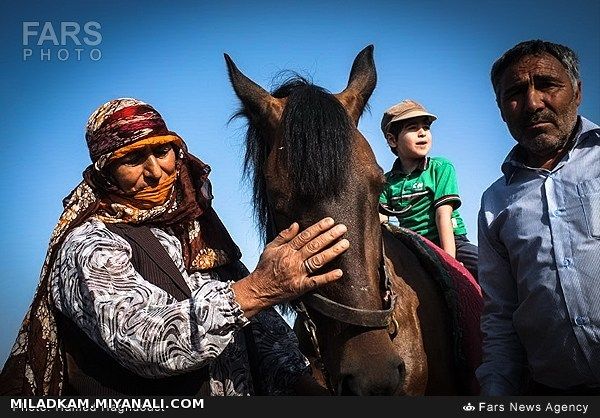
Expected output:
{"points": [[386, 381]]}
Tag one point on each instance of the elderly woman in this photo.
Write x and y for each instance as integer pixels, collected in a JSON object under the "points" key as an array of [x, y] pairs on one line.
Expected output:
{"points": [[143, 291]]}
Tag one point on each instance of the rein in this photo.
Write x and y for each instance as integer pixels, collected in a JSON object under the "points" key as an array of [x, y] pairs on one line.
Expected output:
{"points": [[369, 318]]}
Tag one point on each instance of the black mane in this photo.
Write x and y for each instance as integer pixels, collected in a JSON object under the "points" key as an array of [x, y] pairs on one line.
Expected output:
{"points": [[316, 147]]}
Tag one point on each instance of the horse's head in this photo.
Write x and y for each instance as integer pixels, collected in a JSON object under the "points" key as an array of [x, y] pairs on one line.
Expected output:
{"points": [[308, 160]]}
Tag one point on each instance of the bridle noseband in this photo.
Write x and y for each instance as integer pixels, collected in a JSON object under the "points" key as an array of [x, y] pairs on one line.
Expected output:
{"points": [[370, 318]]}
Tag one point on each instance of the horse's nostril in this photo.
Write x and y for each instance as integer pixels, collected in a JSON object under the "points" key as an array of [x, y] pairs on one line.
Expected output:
{"points": [[402, 371], [348, 385], [360, 384], [402, 378]]}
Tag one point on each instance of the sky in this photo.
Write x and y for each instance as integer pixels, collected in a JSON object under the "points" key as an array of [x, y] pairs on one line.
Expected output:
{"points": [[170, 54]]}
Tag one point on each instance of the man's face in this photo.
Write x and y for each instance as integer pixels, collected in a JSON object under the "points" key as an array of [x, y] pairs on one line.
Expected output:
{"points": [[539, 104]]}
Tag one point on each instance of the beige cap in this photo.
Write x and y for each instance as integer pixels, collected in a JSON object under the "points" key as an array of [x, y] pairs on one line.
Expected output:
{"points": [[406, 109]]}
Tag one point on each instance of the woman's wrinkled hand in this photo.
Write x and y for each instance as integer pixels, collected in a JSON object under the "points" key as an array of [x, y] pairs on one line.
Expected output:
{"points": [[291, 265]]}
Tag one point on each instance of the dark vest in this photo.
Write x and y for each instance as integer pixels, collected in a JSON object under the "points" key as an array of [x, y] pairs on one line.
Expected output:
{"points": [[92, 371]]}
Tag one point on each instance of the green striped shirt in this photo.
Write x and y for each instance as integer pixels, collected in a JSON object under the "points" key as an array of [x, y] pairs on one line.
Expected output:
{"points": [[414, 197]]}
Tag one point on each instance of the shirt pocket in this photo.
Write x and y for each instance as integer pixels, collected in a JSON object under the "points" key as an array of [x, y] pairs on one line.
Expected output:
{"points": [[589, 194]]}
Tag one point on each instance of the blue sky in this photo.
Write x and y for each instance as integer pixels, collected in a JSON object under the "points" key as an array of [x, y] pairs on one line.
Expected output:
{"points": [[170, 54]]}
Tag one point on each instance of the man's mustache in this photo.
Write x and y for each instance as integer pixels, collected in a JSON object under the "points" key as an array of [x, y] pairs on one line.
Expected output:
{"points": [[540, 117]]}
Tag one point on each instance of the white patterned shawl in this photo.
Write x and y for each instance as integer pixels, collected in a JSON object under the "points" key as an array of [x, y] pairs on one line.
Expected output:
{"points": [[152, 334]]}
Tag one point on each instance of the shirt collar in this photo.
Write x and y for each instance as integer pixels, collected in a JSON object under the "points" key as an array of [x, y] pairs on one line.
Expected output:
{"points": [[514, 159], [422, 166]]}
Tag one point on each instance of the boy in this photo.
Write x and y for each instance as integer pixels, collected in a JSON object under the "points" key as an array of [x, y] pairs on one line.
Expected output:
{"points": [[422, 191]]}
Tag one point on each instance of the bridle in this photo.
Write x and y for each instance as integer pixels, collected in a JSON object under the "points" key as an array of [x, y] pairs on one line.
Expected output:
{"points": [[368, 318]]}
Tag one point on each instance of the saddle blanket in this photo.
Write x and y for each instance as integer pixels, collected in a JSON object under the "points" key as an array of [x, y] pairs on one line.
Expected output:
{"points": [[462, 294]]}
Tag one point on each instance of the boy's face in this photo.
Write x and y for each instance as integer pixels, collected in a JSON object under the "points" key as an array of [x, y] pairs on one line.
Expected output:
{"points": [[414, 140]]}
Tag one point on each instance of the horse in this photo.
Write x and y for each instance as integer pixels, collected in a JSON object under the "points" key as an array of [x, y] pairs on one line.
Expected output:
{"points": [[384, 327]]}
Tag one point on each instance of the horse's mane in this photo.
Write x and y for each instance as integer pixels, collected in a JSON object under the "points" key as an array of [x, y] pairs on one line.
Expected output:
{"points": [[316, 146]]}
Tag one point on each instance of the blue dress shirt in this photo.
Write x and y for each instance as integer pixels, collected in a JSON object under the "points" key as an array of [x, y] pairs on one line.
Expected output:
{"points": [[539, 269]]}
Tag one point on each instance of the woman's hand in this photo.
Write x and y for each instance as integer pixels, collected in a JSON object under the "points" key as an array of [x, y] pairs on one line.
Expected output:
{"points": [[290, 266]]}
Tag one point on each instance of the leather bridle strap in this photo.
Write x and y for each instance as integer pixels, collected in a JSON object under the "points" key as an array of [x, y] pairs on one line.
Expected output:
{"points": [[370, 318], [349, 315]]}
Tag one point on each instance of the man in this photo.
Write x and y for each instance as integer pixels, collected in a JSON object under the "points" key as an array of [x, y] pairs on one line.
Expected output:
{"points": [[539, 232]]}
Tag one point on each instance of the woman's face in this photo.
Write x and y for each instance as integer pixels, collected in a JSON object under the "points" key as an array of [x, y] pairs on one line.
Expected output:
{"points": [[143, 168]]}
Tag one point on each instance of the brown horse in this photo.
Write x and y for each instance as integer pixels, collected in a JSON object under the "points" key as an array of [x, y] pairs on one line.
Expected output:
{"points": [[384, 328]]}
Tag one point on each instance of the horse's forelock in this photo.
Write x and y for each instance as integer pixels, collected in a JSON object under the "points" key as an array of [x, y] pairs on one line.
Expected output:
{"points": [[316, 143]]}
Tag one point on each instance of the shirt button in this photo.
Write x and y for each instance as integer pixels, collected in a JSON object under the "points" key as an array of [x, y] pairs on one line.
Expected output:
{"points": [[557, 212], [581, 320], [567, 262]]}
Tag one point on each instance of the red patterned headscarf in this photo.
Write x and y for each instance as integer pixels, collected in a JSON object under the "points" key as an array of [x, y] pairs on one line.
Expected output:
{"points": [[121, 122], [36, 365]]}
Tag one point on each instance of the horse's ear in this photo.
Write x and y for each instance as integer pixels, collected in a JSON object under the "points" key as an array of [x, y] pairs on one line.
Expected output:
{"points": [[362, 81], [258, 104]]}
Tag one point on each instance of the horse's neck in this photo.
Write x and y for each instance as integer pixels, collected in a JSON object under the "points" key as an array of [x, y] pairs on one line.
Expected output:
{"points": [[434, 316]]}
